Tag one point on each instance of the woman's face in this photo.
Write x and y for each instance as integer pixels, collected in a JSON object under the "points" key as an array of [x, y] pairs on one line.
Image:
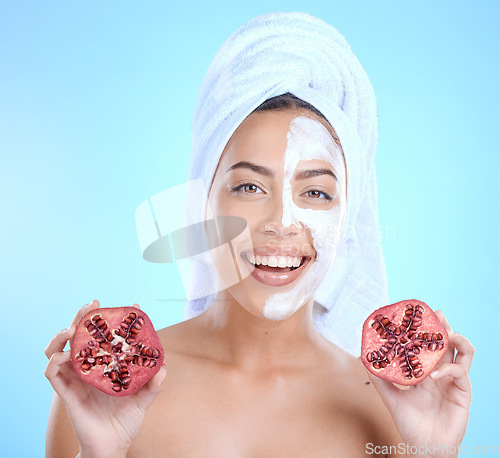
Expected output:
{"points": [[284, 174]]}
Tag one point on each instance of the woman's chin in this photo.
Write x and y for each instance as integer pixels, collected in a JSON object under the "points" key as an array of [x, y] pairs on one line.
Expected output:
{"points": [[278, 314], [259, 306], [262, 300]]}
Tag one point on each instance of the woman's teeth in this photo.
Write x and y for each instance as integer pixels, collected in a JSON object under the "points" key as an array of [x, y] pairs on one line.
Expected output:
{"points": [[274, 261]]}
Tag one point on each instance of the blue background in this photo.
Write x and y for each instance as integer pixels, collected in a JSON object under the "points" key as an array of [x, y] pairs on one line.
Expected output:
{"points": [[96, 99]]}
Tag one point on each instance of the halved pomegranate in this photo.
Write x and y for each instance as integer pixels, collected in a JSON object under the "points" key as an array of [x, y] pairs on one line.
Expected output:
{"points": [[116, 350], [403, 342]]}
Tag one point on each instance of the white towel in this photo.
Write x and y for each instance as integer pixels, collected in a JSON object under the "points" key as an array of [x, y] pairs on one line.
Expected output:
{"points": [[297, 53]]}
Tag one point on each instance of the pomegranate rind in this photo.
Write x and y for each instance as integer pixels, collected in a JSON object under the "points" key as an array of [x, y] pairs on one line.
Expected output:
{"points": [[372, 341], [96, 376]]}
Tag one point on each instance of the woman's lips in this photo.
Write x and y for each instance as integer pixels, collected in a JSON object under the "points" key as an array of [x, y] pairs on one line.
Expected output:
{"points": [[277, 276]]}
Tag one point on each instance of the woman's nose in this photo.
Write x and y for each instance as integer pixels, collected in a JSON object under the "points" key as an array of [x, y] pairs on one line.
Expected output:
{"points": [[273, 222], [278, 229]]}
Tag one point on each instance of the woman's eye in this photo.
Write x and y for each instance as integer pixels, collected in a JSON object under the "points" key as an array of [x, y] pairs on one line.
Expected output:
{"points": [[315, 194], [249, 188]]}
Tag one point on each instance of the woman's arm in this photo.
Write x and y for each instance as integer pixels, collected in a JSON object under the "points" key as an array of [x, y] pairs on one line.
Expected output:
{"points": [[61, 439]]}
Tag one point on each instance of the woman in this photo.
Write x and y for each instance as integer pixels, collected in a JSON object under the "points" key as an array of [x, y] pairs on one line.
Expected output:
{"points": [[291, 152]]}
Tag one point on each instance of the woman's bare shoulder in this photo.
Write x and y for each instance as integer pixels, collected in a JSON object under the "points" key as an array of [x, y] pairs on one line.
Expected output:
{"points": [[184, 339], [349, 389], [351, 376]]}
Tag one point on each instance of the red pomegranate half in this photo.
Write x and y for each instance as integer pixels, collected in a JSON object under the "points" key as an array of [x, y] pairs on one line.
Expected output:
{"points": [[403, 342], [116, 350]]}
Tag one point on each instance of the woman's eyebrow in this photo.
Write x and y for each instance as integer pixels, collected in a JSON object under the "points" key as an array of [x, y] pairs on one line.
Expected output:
{"points": [[310, 173], [254, 167]]}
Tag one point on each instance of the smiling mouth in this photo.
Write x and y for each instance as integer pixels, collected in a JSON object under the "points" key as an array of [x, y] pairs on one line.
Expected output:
{"points": [[276, 263], [275, 270]]}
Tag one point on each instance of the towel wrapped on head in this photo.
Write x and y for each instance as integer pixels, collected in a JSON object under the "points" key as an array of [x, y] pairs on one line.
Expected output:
{"points": [[297, 53]]}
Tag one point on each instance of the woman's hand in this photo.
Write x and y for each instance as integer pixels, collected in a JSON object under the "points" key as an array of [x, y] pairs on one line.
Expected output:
{"points": [[104, 425], [433, 414]]}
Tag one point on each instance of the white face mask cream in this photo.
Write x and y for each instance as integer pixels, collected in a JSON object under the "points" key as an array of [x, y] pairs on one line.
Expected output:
{"points": [[307, 140]]}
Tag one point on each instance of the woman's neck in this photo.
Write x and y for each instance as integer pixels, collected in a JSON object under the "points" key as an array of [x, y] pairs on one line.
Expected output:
{"points": [[253, 343]]}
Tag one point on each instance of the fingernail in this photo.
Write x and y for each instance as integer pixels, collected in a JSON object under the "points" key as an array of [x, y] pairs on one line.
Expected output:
{"points": [[434, 374]]}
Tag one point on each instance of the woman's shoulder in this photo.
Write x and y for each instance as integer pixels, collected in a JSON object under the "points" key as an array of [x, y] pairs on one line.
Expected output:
{"points": [[342, 362], [347, 388], [183, 339]]}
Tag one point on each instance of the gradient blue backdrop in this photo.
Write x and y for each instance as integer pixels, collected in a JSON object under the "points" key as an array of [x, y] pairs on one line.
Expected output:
{"points": [[96, 100]]}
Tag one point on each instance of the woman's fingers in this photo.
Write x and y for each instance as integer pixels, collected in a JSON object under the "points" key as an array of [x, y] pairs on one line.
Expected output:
{"points": [[465, 350], [64, 379], [457, 372], [448, 357], [443, 320], [464, 347], [54, 374], [56, 370], [84, 310], [58, 342]]}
